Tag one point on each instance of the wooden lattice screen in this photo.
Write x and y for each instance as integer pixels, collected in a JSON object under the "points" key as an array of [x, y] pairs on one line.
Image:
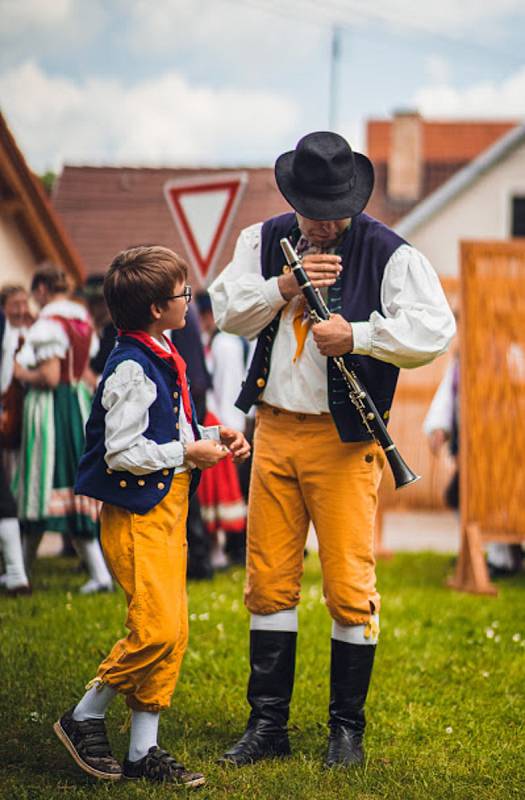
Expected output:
{"points": [[414, 394], [492, 395]]}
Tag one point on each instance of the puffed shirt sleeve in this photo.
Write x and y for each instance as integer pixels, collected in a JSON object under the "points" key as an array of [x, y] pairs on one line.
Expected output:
{"points": [[46, 339], [243, 301], [417, 324], [127, 396], [440, 415]]}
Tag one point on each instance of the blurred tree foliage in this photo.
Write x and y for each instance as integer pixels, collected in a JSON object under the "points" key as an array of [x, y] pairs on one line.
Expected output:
{"points": [[48, 179]]}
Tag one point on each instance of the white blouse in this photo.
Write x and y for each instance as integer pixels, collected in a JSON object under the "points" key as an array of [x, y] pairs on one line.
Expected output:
{"points": [[47, 338]]}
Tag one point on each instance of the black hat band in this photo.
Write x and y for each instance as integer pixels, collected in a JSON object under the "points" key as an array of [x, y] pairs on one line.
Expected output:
{"points": [[317, 188]]}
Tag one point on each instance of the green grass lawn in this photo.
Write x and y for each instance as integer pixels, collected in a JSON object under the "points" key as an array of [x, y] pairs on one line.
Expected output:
{"points": [[446, 708]]}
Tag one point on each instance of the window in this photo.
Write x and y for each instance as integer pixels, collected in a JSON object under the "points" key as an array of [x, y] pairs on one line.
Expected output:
{"points": [[518, 216]]}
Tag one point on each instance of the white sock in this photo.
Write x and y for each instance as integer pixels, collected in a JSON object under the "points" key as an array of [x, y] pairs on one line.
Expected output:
{"points": [[11, 548], [144, 729], [90, 551], [500, 556], [357, 634], [94, 703], [285, 620]]}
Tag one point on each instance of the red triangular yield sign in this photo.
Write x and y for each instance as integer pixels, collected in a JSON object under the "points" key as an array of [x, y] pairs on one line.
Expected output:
{"points": [[203, 209]]}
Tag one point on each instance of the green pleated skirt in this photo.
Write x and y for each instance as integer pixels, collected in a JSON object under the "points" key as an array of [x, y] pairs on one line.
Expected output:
{"points": [[52, 444]]}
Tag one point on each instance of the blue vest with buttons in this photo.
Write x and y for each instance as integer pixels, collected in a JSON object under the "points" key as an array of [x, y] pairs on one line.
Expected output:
{"points": [[136, 493], [365, 250]]}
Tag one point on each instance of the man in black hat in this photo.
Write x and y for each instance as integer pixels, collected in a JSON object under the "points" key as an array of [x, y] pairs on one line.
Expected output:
{"points": [[313, 459]]}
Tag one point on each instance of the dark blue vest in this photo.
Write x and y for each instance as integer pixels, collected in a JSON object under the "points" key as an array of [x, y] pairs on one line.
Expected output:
{"points": [[365, 250], [136, 493]]}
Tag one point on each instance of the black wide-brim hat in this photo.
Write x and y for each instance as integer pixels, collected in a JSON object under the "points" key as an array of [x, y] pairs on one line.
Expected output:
{"points": [[323, 178]]}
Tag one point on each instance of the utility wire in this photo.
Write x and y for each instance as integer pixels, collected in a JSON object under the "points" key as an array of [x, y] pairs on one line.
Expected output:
{"points": [[349, 15]]}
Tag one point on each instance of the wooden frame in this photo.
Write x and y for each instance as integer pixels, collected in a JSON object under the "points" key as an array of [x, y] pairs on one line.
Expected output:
{"points": [[492, 398]]}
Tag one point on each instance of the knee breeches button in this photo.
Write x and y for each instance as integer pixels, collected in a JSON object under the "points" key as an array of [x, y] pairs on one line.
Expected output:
{"points": [[165, 472], [141, 482], [109, 471], [123, 484], [369, 458], [160, 485]]}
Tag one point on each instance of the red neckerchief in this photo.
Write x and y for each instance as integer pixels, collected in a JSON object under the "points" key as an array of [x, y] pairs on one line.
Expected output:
{"points": [[174, 359]]}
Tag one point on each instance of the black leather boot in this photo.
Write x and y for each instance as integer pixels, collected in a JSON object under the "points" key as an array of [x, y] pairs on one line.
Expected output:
{"points": [[350, 672], [272, 662]]}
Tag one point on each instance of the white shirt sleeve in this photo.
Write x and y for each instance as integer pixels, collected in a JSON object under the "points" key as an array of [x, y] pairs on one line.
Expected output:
{"points": [[228, 373], [441, 412], [127, 397], [417, 324], [243, 301]]}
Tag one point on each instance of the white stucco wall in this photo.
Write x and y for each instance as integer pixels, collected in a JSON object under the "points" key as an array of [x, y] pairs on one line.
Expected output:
{"points": [[481, 211], [17, 262]]}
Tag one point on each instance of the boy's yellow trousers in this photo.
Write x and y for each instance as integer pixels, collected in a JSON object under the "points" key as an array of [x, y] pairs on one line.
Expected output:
{"points": [[147, 555], [301, 472]]}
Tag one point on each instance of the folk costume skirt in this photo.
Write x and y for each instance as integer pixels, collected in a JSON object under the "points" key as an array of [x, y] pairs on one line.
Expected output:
{"points": [[147, 555], [52, 444], [302, 472]]}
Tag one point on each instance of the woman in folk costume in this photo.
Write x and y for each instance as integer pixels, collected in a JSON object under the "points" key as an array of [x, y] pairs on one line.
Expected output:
{"points": [[56, 408]]}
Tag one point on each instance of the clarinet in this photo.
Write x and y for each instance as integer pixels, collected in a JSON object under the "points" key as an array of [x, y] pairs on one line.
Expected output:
{"points": [[359, 396]]}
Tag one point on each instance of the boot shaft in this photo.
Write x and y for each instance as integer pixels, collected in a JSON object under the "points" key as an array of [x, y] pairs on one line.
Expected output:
{"points": [[272, 663], [350, 672]]}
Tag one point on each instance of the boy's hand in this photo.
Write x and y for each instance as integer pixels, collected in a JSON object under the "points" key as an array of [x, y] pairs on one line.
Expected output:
{"points": [[205, 453], [236, 443]]}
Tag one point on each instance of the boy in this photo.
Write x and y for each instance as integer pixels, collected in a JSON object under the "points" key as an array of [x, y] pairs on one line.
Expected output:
{"points": [[142, 443]]}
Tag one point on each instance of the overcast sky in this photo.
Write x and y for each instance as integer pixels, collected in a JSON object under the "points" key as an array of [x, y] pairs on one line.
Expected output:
{"points": [[236, 82]]}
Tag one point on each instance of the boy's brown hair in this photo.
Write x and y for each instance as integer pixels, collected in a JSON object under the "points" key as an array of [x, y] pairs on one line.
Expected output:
{"points": [[138, 278]]}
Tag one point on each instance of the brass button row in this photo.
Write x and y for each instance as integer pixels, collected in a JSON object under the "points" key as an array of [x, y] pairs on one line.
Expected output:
{"points": [[140, 482]]}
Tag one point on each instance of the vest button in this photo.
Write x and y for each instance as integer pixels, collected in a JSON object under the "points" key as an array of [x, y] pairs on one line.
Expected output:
{"points": [[177, 426], [109, 471], [175, 395], [175, 409], [261, 382], [123, 484], [160, 485], [141, 482], [386, 414], [165, 472]]}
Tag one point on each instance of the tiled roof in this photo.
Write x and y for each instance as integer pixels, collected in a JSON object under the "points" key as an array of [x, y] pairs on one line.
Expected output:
{"points": [[106, 209], [443, 141], [447, 147]]}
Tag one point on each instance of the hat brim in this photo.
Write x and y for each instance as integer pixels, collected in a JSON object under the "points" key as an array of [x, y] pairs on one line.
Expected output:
{"points": [[327, 207]]}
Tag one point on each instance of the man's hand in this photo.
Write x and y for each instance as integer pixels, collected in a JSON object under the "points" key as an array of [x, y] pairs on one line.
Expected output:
{"points": [[436, 440], [333, 336], [205, 453], [236, 443], [322, 270]]}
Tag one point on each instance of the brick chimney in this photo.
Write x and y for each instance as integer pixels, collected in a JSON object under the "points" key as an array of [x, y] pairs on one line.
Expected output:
{"points": [[405, 157]]}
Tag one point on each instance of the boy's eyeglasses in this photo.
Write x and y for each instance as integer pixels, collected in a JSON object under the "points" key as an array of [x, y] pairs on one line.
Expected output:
{"points": [[186, 294]]}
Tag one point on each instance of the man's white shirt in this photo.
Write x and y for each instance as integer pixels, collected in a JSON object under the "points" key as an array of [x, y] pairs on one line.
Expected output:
{"points": [[415, 326]]}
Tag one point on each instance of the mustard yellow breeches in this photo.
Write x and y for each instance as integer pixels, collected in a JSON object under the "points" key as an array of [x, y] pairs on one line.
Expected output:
{"points": [[301, 472], [147, 555]]}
